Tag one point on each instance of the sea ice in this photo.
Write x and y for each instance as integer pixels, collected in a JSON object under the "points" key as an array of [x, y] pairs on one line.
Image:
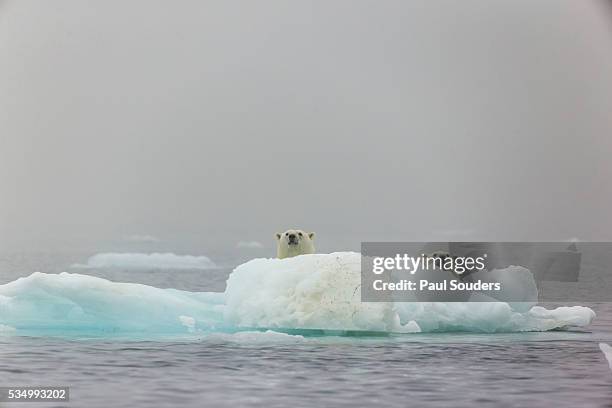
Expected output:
{"points": [[146, 261], [607, 350]]}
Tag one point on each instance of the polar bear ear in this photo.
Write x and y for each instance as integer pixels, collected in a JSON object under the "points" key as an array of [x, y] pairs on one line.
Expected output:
{"points": [[278, 235], [311, 235]]}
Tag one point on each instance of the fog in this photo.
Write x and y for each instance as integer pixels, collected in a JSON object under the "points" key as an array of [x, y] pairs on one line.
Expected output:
{"points": [[205, 123]]}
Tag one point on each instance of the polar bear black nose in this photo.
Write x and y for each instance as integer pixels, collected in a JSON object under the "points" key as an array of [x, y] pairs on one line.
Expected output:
{"points": [[291, 236]]}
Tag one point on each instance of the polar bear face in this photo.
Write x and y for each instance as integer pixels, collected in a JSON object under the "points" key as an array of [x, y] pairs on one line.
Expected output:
{"points": [[294, 242]]}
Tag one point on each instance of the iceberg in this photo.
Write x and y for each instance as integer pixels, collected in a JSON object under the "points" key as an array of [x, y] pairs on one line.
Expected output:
{"points": [[607, 350], [319, 292], [78, 303]]}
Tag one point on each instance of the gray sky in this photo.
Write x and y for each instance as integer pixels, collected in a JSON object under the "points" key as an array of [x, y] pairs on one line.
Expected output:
{"points": [[214, 122]]}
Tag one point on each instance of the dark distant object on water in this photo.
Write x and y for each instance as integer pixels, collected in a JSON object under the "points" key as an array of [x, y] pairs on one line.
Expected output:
{"points": [[562, 266], [544, 260]]}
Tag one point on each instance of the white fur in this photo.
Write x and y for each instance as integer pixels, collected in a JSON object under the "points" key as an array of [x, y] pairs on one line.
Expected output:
{"points": [[303, 246]]}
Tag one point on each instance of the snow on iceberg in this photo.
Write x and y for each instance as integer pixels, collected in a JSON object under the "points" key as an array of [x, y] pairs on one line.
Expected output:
{"points": [[146, 261], [320, 291]]}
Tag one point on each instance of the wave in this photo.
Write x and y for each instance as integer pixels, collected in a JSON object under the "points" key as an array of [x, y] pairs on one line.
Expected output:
{"points": [[298, 295], [146, 261]]}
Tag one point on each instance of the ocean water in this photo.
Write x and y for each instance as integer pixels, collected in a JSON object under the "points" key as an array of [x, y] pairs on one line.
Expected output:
{"points": [[298, 368]]}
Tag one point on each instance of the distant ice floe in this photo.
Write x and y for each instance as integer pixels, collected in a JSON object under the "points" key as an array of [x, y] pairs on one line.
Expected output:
{"points": [[145, 239], [319, 292], [147, 261], [607, 350], [249, 244]]}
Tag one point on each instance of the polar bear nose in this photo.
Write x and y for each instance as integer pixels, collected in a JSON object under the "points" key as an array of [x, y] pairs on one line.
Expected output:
{"points": [[291, 236]]}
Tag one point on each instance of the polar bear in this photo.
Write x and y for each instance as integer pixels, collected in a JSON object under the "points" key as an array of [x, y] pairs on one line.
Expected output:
{"points": [[294, 242]]}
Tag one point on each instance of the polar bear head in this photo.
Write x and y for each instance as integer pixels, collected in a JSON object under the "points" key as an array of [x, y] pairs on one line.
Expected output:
{"points": [[294, 242]]}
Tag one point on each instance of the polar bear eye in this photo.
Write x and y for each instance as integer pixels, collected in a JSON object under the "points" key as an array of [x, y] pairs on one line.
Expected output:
{"points": [[286, 234], [300, 234]]}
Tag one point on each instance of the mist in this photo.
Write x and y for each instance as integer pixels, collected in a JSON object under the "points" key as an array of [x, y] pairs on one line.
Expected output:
{"points": [[205, 123]]}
